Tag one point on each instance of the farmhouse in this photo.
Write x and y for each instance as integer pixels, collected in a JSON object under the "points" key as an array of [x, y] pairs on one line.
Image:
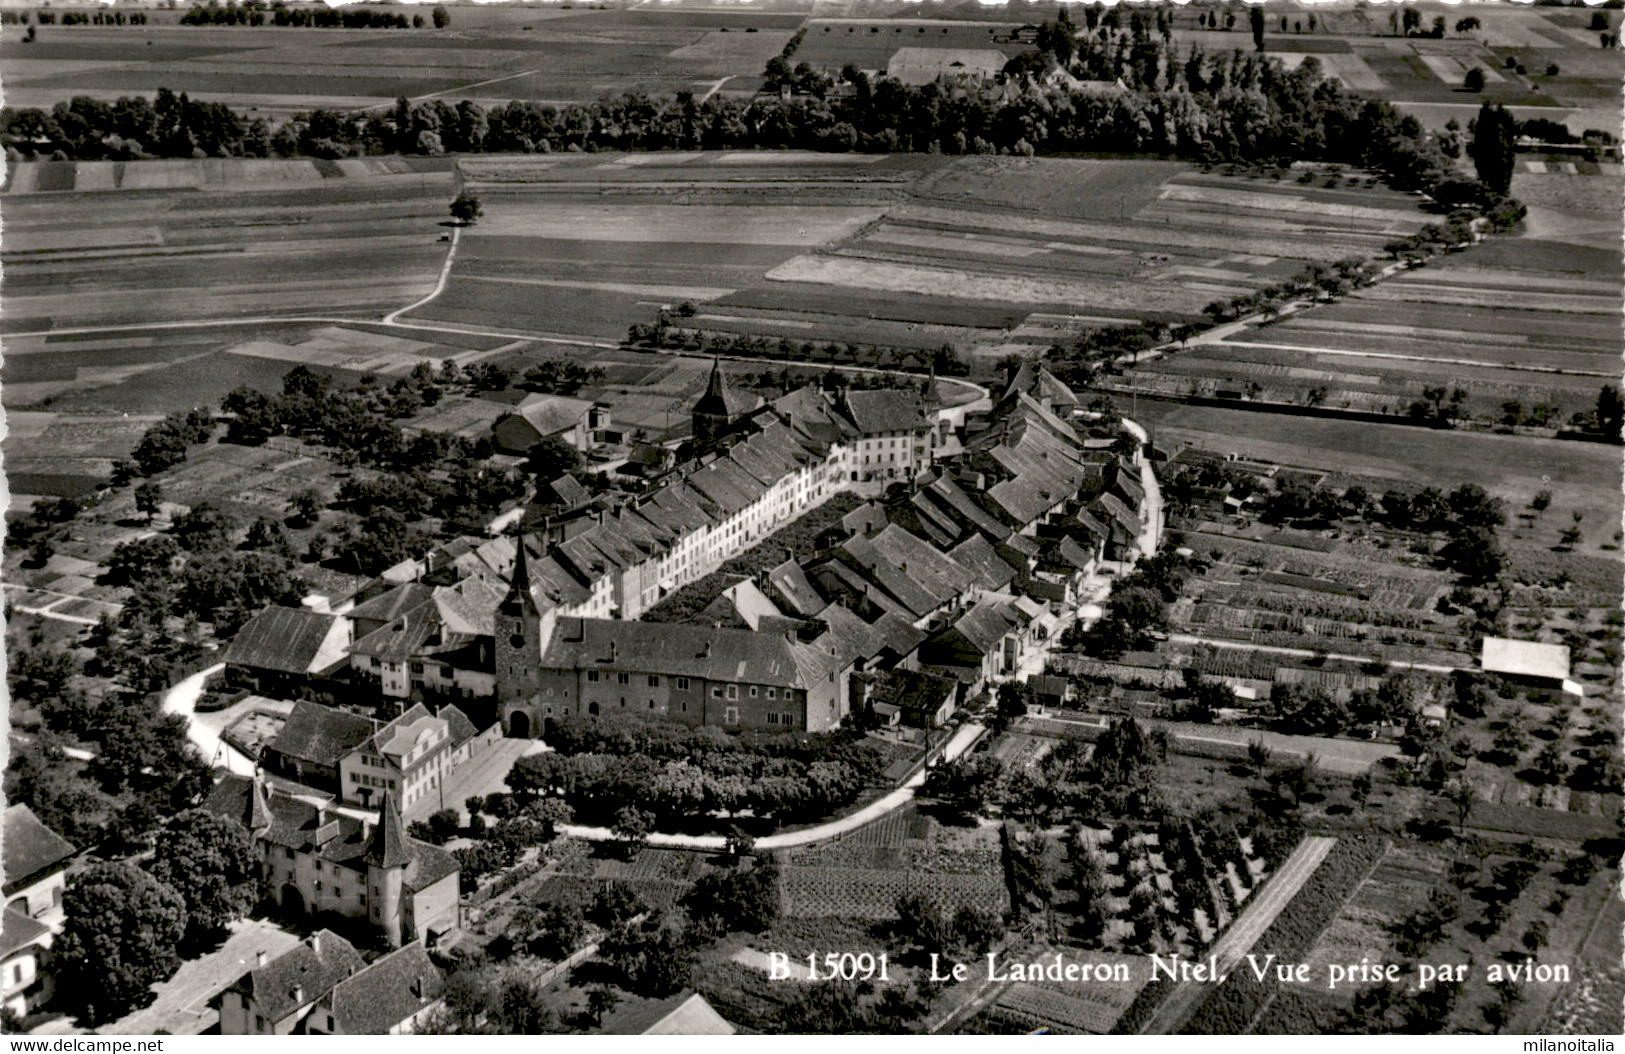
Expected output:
{"points": [[577, 422], [1526, 662], [285, 652], [917, 66], [312, 742], [317, 859]]}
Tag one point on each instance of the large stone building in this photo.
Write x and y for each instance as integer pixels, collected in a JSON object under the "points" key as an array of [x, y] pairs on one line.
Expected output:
{"points": [[317, 858]]}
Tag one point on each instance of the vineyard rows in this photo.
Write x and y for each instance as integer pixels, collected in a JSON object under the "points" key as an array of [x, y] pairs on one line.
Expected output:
{"points": [[872, 893]]}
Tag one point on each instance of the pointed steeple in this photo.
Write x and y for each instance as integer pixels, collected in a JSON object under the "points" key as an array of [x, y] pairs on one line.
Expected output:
{"points": [[519, 600], [259, 806], [717, 386], [388, 847]]}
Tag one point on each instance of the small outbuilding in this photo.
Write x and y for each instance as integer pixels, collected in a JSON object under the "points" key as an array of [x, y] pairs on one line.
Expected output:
{"points": [[1530, 663]]}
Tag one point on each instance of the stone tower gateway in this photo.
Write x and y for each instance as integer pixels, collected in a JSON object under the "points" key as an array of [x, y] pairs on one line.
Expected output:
{"points": [[519, 629]]}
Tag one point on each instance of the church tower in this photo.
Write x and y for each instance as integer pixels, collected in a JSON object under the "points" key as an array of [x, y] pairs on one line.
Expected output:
{"points": [[519, 631], [719, 408]]}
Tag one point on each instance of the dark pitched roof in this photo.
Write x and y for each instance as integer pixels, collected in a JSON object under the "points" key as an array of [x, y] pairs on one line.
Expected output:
{"points": [[17, 930], [675, 650], [30, 846], [976, 553], [721, 400], [885, 410], [684, 1014], [285, 639], [320, 734], [552, 414], [911, 691], [458, 724], [388, 847], [388, 992], [301, 975], [393, 602]]}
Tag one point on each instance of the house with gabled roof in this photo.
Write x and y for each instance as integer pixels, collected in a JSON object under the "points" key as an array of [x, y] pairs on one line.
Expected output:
{"points": [[910, 697], [407, 759], [389, 998], [316, 858], [287, 652], [312, 741], [575, 421], [275, 996], [985, 643], [427, 643], [36, 860], [26, 981]]}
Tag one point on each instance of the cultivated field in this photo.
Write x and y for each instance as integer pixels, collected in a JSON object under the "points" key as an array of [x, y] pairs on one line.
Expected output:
{"points": [[181, 241], [545, 54], [558, 54], [991, 256]]}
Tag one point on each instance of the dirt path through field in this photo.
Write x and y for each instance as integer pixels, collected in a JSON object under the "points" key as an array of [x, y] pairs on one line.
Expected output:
{"points": [[1238, 940]]}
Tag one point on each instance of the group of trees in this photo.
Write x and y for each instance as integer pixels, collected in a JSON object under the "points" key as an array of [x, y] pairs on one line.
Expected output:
{"points": [[128, 926], [663, 334], [144, 768], [277, 13], [675, 774], [422, 473], [1210, 107], [73, 18], [1137, 608], [1314, 282]]}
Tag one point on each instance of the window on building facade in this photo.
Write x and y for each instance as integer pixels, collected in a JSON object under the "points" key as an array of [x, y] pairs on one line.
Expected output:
{"points": [[731, 715], [682, 684], [654, 682], [592, 675], [623, 678], [733, 691], [753, 691]]}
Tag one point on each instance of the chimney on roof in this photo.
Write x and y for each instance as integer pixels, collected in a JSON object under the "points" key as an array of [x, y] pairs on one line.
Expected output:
{"points": [[260, 958], [298, 993], [417, 987], [316, 943], [705, 650], [611, 652]]}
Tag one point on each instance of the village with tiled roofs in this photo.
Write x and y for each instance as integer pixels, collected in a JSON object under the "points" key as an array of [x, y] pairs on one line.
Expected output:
{"points": [[970, 537]]}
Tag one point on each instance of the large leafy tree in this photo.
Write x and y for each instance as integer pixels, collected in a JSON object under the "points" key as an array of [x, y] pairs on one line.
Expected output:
{"points": [[123, 927], [210, 861]]}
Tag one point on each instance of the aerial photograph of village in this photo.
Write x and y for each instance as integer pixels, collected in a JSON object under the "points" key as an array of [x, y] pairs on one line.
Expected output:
{"points": [[746, 517]]}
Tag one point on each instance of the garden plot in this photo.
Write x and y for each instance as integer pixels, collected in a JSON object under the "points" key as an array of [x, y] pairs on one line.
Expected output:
{"points": [[1091, 1008]]}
